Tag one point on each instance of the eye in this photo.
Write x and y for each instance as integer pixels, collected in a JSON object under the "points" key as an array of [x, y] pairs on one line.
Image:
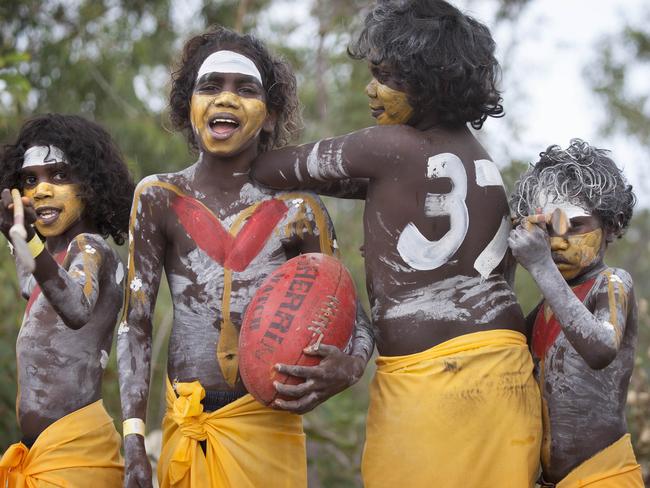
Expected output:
{"points": [[248, 90], [60, 176], [29, 181]]}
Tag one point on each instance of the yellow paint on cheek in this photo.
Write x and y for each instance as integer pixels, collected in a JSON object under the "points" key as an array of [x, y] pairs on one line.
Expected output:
{"points": [[66, 199], [582, 251], [250, 112], [397, 109]]}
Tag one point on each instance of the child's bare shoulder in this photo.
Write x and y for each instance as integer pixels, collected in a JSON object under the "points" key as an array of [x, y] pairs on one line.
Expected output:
{"points": [[91, 244]]}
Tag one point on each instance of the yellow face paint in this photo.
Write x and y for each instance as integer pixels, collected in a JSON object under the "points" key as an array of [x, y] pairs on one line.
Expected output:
{"points": [[388, 106], [224, 138], [58, 207], [574, 254]]}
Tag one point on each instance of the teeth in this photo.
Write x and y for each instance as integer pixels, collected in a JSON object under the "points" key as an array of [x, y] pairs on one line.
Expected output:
{"points": [[226, 121]]}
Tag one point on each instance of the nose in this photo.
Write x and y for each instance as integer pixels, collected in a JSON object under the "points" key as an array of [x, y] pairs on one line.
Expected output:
{"points": [[43, 190], [559, 244], [371, 89], [226, 99]]}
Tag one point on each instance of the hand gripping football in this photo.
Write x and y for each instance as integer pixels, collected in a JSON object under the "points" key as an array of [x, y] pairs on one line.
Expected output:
{"points": [[308, 300]]}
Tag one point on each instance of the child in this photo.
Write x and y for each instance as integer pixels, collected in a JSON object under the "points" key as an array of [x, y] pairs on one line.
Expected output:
{"points": [[454, 401], [218, 235], [584, 331], [78, 190]]}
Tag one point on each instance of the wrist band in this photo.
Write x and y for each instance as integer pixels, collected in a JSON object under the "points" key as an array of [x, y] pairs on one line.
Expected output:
{"points": [[35, 246], [133, 426]]}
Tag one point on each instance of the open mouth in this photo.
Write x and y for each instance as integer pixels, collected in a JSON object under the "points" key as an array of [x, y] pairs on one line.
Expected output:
{"points": [[223, 125], [376, 111], [47, 215]]}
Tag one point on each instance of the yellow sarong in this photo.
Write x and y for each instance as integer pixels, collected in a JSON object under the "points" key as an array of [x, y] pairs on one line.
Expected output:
{"points": [[463, 413], [79, 450], [248, 445], [613, 467]]}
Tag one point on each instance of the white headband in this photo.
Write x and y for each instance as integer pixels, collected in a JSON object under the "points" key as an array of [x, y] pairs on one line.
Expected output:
{"points": [[40, 155], [549, 204], [229, 62]]}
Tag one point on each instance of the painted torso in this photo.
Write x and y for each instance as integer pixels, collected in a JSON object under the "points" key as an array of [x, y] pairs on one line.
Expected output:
{"points": [[428, 221], [60, 369], [215, 257], [584, 408]]}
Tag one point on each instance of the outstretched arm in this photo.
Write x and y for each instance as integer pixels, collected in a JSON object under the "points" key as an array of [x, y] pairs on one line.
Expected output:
{"points": [[360, 155], [338, 369], [146, 248], [596, 335]]}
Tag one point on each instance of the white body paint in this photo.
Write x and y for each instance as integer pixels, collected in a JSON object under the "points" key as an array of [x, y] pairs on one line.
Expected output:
{"points": [[487, 173], [136, 284], [119, 273], [415, 249], [41, 155], [123, 328], [229, 62], [103, 360], [493, 253]]}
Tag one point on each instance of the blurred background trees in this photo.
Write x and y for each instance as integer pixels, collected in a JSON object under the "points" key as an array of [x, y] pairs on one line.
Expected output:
{"points": [[109, 60]]}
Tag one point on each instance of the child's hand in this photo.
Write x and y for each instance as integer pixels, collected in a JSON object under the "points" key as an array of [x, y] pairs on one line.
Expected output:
{"points": [[529, 242], [7, 214]]}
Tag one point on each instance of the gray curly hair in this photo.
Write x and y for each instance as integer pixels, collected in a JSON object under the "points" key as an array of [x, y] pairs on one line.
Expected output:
{"points": [[583, 175]]}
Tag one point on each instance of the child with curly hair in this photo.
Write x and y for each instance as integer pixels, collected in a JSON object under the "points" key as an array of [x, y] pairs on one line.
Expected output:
{"points": [[218, 235], [454, 401], [584, 330], [76, 190]]}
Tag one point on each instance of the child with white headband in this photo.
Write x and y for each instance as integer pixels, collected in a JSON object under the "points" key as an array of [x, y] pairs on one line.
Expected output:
{"points": [[77, 191], [217, 234]]}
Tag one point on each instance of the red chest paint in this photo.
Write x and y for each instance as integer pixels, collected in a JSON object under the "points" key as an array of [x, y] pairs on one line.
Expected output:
{"points": [[232, 252], [545, 332], [59, 258]]}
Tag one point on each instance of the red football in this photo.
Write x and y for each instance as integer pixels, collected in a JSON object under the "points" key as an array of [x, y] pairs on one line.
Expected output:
{"points": [[309, 299]]}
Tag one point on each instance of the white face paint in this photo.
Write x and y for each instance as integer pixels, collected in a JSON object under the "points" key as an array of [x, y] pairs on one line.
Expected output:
{"points": [[41, 155], [549, 204], [229, 62], [415, 249]]}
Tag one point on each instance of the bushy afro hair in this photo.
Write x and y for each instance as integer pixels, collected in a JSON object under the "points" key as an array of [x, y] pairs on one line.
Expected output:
{"points": [[95, 161]]}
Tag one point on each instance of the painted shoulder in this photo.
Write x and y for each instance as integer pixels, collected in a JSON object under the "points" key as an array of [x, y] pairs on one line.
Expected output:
{"points": [[617, 275], [91, 243]]}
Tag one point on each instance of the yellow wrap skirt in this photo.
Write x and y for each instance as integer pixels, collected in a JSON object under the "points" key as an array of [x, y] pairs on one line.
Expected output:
{"points": [[465, 413], [79, 450], [247, 444], [613, 467]]}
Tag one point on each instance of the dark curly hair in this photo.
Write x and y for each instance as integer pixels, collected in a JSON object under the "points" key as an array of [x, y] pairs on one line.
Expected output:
{"points": [[95, 161], [445, 58], [583, 175], [277, 77]]}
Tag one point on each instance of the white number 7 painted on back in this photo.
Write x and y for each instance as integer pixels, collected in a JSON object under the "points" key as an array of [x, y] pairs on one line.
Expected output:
{"points": [[418, 251]]}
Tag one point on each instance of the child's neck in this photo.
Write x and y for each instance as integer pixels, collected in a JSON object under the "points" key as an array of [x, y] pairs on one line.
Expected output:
{"points": [[59, 243], [224, 174]]}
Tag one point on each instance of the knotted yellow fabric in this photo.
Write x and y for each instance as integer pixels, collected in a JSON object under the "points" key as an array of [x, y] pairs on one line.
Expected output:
{"points": [[613, 467], [247, 444], [79, 450], [463, 413]]}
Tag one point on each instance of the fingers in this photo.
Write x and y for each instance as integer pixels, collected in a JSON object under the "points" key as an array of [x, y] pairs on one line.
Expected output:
{"points": [[300, 371], [321, 350], [6, 198], [303, 405], [294, 391]]}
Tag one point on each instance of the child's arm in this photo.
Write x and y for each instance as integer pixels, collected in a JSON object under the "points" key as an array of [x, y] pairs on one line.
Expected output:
{"points": [[337, 370], [363, 154], [146, 251], [596, 335]]}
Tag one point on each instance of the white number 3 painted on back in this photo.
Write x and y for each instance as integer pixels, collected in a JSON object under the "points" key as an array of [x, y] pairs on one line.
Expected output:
{"points": [[418, 251]]}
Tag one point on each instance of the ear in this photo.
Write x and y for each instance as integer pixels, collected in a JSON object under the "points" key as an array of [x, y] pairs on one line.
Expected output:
{"points": [[610, 234], [270, 121]]}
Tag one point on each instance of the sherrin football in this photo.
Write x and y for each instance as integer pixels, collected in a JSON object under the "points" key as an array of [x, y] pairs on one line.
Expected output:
{"points": [[309, 299]]}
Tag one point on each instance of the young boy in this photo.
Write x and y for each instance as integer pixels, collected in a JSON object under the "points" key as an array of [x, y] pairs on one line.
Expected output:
{"points": [[218, 235], [584, 331], [454, 401], [77, 188]]}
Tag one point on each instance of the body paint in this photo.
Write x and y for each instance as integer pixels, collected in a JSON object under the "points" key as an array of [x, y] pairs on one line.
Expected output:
{"points": [[41, 155], [487, 173], [394, 104], [576, 252], [65, 202], [328, 165], [415, 249], [493, 253]]}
